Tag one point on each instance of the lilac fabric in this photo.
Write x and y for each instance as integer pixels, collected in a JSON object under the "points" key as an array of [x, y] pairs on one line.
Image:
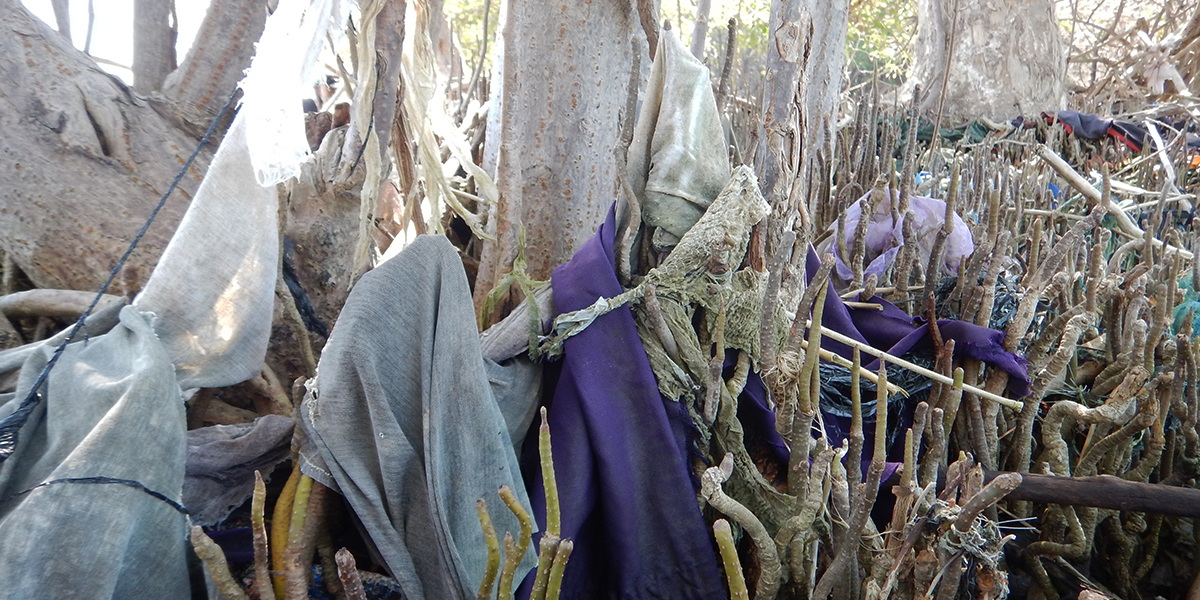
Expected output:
{"points": [[620, 455], [884, 237]]}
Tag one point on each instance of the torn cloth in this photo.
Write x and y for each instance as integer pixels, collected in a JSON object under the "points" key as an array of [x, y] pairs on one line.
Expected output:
{"points": [[411, 424], [222, 459], [114, 407], [620, 454], [678, 160], [112, 403]]}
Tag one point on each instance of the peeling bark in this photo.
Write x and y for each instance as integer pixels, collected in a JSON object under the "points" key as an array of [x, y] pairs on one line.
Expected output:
{"points": [[805, 54], [447, 55]]}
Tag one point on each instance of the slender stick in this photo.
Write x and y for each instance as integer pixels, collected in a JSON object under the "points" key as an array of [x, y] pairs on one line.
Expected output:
{"points": [[553, 516], [298, 558], [556, 572], [483, 40], [326, 556], [262, 568], [493, 550], [727, 64], [900, 362], [854, 455], [214, 559], [87, 43], [808, 403], [729, 557], [348, 573], [280, 524], [513, 554], [547, 549]]}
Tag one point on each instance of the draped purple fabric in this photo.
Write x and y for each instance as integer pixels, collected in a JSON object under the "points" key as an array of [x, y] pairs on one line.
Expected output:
{"points": [[620, 453], [893, 330]]}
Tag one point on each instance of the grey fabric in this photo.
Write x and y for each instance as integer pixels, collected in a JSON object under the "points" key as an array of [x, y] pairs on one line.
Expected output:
{"points": [[516, 379], [516, 384], [214, 287], [97, 323], [678, 161], [113, 409], [510, 337], [114, 406], [221, 461], [404, 422]]}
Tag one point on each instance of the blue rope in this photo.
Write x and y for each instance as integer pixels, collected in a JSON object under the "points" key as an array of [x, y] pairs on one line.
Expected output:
{"points": [[137, 485]]}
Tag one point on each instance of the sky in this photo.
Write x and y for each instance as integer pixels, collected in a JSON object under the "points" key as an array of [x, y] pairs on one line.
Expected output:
{"points": [[112, 40]]}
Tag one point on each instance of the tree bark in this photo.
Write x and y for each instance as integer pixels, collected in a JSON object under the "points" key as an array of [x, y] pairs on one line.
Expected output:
{"points": [[561, 86], [1106, 491], [213, 67], [85, 160], [62, 16], [700, 29], [449, 61], [153, 43], [1004, 59], [804, 78]]}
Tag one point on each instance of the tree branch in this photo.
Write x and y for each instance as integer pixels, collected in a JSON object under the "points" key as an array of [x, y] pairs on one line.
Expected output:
{"points": [[153, 43]]}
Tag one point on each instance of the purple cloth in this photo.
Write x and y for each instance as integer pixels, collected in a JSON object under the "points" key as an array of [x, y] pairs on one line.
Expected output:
{"points": [[622, 452], [758, 422], [898, 333], [620, 455], [893, 330]]}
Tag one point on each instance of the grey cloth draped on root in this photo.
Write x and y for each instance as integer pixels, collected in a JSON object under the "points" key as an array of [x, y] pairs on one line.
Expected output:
{"points": [[114, 406], [412, 424], [678, 160]]}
